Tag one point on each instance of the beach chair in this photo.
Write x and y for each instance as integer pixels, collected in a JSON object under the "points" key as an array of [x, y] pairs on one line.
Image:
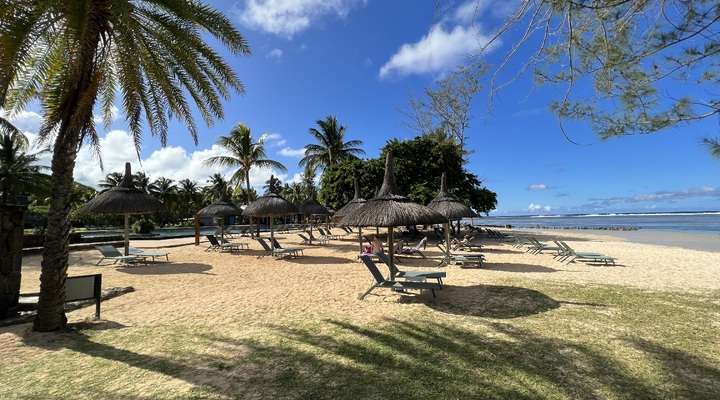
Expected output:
{"points": [[463, 260], [233, 245], [152, 254], [328, 234], [297, 251], [321, 240], [306, 240], [279, 253], [401, 286], [439, 275], [216, 245], [571, 256], [465, 245], [111, 253], [422, 244], [536, 247]]}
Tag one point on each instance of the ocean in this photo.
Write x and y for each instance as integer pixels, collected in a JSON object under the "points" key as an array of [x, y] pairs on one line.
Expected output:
{"points": [[707, 222]]}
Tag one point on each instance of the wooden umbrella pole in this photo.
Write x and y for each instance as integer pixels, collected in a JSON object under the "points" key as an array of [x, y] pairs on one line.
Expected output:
{"points": [[447, 241], [391, 252], [127, 234], [360, 238], [197, 231], [272, 242]]}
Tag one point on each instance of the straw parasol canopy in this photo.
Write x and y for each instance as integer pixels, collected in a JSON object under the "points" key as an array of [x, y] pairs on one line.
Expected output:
{"points": [[312, 207], [269, 205], [447, 205], [221, 208], [389, 209], [452, 209], [351, 206], [123, 199]]}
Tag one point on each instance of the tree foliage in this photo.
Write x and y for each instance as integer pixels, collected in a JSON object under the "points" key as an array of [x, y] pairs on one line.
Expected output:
{"points": [[331, 147], [19, 171], [628, 67], [419, 163]]}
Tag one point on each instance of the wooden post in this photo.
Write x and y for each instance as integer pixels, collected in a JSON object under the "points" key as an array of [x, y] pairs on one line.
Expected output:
{"points": [[391, 252], [197, 230], [127, 234], [360, 238], [447, 241], [272, 242]]}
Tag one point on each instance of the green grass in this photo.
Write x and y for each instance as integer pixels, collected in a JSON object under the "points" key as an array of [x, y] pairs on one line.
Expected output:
{"points": [[522, 340]]}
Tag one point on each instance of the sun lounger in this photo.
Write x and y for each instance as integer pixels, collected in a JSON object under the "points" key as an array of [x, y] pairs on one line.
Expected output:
{"points": [[152, 254], [111, 253], [217, 245], [321, 240], [536, 247], [412, 274], [275, 252], [463, 260], [306, 240], [328, 234], [465, 245], [297, 251], [381, 282], [571, 255], [422, 244]]}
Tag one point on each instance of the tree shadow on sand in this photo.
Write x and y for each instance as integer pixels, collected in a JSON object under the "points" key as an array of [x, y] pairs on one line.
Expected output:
{"points": [[168, 269]]}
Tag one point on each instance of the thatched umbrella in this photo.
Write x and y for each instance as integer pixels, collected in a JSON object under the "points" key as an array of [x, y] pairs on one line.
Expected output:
{"points": [[451, 208], [269, 205], [123, 199], [350, 207], [310, 208], [220, 208], [389, 209]]}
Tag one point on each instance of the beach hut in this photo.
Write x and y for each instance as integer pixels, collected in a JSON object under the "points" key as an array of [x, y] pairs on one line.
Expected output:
{"points": [[311, 208], [219, 209], [270, 205], [123, 199], [450, 208], [389, 209], [350, 207]]}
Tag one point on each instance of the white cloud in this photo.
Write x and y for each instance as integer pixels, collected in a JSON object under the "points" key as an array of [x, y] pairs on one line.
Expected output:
{"points": [[438, 51], [537, 187], [273, 139], [538, 208], [290, 152], [289, 17], [275, 53], [26, 121]]}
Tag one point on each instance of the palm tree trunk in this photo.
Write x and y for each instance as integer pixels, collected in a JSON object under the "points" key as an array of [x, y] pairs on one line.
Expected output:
{"points": [[75, 110], [247, 200], [51, 313]]}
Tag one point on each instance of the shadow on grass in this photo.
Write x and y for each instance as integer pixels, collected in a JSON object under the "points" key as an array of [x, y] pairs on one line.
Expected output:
{"points": [[168, 269], [492, 301], [401, 359]]}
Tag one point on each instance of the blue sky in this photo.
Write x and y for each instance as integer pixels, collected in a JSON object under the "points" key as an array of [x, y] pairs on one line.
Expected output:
{"points": [[361, 60]]}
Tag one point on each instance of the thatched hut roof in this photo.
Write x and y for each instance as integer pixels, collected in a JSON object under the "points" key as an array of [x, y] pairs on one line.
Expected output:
{"points": [[123, 199], [312, 207], [220, 208], [351, 206], [269, 205], [448, 205], [391, 209]]}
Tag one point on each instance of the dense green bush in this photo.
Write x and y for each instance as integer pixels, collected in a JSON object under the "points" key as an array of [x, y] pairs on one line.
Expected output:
{"points": [[143, 226]]}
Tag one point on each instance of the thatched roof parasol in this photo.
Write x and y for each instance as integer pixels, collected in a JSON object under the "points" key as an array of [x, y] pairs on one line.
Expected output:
{"points": [[447, 205], [220, 208], [351, 206], [269, 205], [123, 199], [391, 209], [312, 207]]}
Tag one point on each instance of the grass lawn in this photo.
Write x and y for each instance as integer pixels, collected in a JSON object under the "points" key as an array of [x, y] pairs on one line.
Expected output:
{"points": [[526, 339]]}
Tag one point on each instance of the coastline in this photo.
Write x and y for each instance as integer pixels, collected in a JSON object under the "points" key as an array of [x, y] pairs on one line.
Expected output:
{"points": [[690, 240]]}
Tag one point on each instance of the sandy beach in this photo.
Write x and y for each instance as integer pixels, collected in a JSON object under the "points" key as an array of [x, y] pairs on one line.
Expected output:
{"points": [[242, 294]]}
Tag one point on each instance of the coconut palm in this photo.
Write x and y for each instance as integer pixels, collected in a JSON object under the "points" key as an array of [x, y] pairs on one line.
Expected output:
{"points": [[74, 55], [713, 145], [141, 182], [273, 185], [18, 169], [218, 188], [294, 193], [188, 192], [331, 147], [111, 180], [244, 154]]}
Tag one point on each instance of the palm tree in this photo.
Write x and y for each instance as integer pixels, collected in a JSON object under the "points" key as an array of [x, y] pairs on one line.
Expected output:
{"points": [[18, 169], [164, 189], [294, 193], [141, 182], [111, 180], [331, 147], [244, 154], [71, 56], [713, 145], [273, 185], [188, 191], [218, 188]]}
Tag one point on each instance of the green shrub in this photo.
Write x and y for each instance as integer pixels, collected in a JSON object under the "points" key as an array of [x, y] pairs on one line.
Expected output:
{"points": [[143, 226]]}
